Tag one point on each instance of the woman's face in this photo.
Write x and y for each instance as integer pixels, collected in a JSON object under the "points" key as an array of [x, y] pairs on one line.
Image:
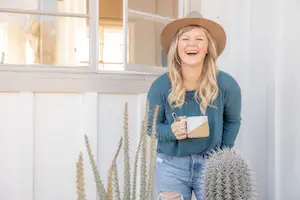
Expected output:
{"points": [[192, 47]]}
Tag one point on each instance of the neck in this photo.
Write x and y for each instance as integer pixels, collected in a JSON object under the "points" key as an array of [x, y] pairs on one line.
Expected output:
{"points": [[191, 75]]}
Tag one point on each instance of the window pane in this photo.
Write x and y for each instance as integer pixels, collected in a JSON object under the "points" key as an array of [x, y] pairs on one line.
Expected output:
{"points": [[3, 45], [144, 42], [70, 6], [166, 8], [111, 35], [111, 47], [46, 40]]}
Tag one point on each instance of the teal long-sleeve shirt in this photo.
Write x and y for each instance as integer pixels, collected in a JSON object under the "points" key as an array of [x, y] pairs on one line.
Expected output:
{"points": [[224, 120]]}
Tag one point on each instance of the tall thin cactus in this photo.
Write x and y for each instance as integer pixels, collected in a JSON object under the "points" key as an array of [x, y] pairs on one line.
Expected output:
{"points": [[100, 187], [113, 192], [80, 178], [143, 167], [143, 135], [116, 182], [227, 176], [136, 160], [115, 170], [126, 155], [113, 176], [110, 183], [152, 155]]}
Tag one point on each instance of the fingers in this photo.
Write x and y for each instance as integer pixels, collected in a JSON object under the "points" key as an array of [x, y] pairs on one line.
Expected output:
{"points": [[181, 137], [179, 128], [181, 117]]}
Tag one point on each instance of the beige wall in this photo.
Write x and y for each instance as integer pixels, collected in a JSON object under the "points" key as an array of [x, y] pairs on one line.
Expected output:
{"points": [[111, 9]]}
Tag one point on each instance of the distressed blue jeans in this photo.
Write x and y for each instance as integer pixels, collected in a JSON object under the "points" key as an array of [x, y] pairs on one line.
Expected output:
{"points": [[182, 175]]}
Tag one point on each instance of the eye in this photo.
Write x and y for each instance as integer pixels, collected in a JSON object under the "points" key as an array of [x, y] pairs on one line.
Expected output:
{"points": [[200, 39]]}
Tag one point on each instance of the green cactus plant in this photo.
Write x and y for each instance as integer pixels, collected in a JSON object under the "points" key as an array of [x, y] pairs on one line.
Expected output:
{"points": [[126, 155], [113, 190], [227, 176], [99, 184], [80, 178]]}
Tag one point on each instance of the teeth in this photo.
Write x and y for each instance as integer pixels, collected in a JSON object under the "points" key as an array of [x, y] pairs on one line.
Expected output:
{"points": [[191, 53]]}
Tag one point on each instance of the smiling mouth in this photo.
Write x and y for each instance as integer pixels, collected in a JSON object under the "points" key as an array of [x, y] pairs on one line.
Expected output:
{"points": [[191, 53]]}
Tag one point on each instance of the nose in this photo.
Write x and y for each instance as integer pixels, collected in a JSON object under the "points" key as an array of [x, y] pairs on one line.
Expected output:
{"points": [[192, 42]]}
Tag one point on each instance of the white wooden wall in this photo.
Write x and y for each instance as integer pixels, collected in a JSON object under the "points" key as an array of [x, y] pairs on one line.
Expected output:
{"points": [[262, 53], [42, 134]]}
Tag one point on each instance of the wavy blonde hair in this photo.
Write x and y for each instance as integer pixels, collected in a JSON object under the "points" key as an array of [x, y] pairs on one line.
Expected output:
{"points": [[207, 90]]}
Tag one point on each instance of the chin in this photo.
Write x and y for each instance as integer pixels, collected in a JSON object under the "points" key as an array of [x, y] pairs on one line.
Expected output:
{"points": [[191, 63]]}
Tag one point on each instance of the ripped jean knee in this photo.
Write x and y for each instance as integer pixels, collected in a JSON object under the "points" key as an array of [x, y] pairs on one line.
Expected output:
{"points": [[170, 196]]}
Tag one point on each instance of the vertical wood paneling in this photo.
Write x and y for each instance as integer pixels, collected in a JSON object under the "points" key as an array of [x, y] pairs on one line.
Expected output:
{"points": [[44, 133], [8, 146], [16, 146], [287, 96], [25, 146], [245, 58], [58, 139], [110, 123]]}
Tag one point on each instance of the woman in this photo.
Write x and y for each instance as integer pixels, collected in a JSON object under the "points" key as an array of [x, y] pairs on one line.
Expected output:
{"points": [[199, 105]]}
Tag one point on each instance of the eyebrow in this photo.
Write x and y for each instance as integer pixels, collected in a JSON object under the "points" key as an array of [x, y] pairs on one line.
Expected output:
{"points": [[202, 35]]}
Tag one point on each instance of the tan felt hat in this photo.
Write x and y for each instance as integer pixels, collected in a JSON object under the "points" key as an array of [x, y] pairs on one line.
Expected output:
{"points": [[193, 18]]}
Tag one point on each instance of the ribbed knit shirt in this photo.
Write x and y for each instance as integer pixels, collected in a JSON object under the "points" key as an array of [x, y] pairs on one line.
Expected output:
{"points": [[224, 119]]}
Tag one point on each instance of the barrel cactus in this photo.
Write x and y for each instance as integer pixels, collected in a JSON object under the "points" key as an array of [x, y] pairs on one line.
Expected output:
{"points": [[227, 176]]}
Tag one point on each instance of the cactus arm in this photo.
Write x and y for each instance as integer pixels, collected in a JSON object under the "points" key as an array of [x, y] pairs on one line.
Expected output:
{"points": [[100, 187], [126, 155]]}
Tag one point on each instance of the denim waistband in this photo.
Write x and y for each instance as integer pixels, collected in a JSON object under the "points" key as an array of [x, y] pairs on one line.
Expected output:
{"points": [[204, 155]]}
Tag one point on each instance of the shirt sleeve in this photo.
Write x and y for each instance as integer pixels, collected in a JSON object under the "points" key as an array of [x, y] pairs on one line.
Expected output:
{"points": [[232, 116], [155, 98]]}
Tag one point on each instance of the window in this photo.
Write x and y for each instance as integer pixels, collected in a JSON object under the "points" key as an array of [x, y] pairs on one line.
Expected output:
{"points": [[148, 18], [84, 34], [3, 45], [110, 48], [44, 33], [111, 51]]}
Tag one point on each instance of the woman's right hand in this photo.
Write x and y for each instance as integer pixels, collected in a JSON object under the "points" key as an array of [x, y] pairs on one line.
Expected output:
{"points": [[179, 128]]}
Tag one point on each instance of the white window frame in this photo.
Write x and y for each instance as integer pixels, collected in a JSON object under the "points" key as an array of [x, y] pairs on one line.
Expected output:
{"points": [[53, 78], [111, 25], [92, 16], [183, 9], [3, 28], [104, 25]]}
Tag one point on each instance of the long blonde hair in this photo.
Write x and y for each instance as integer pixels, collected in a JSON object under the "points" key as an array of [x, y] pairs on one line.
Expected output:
{"points": [[207, 90]]}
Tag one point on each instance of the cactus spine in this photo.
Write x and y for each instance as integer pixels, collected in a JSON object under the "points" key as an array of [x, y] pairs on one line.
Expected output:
{"points": [[113, 191], [227, 176]]}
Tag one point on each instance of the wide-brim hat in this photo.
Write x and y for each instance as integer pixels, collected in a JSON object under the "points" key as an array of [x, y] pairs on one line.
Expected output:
{"points": [[193, 18]]}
